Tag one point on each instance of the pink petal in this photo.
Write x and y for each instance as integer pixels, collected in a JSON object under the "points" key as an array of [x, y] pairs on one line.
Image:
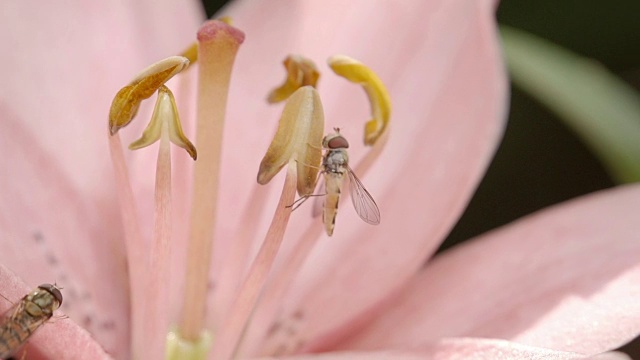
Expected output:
{"points": [[442, 65], [51, 232], [459, 349], [67, 62], [64, 339], [492, 349], [58, 214], [60, 338], [382, 355], [567, 278], [613, 355]]}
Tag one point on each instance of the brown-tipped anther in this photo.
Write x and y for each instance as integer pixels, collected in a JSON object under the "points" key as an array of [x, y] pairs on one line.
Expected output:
{"points": [[165, 111], [300, 72], [127, 101], [299, 138], [357, 72]]}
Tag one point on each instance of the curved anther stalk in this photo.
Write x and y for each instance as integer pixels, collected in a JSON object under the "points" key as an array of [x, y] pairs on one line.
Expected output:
{"points": [[357, 72], [300, 72]]}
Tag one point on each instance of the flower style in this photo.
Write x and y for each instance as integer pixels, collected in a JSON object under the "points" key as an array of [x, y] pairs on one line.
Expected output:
{"points": [[560, 284]]}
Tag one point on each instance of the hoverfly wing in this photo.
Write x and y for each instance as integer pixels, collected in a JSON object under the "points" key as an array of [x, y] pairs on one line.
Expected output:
{"points": [[318, 202], [362, 201]]}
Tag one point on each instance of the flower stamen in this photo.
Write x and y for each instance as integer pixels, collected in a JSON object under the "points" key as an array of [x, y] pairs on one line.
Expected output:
{"points": [[156, 321], [232, 267], [191, 53], [127, 101], [136, 258], [247, 297], [359, 73], [299, 137], [148, 320], [301, 124], [300, 72], [165, 114], [283, 276]]}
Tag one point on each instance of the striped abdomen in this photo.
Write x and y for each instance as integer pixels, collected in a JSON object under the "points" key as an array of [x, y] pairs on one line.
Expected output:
{"points": [[333, 186]]}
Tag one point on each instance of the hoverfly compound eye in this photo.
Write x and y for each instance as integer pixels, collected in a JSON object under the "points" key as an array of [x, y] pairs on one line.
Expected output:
{"points": [[53, 290], [338, 142]]}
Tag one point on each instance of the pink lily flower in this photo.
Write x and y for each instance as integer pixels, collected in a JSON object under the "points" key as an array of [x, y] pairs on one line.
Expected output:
{"points": [[561, 284]]}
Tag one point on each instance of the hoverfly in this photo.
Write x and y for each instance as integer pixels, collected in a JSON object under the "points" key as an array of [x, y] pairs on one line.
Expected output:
{"points": [[335, 164], [26, 316]]}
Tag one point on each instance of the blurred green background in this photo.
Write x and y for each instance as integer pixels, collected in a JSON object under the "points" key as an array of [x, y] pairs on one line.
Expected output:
{"points": [[540, 161]]}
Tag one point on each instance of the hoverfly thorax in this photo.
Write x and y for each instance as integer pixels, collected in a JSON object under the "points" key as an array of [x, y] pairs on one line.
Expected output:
{"points": [[43, 301], [336, 157], [25, 317]]}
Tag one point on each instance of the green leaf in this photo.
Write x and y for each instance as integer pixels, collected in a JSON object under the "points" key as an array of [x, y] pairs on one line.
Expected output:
{"points": [[602, 109]]}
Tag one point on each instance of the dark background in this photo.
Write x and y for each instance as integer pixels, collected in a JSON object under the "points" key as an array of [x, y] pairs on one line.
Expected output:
{"points": [[540, 161]]}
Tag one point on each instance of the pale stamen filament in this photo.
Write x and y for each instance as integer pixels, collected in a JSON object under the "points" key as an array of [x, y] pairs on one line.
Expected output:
{"points": [[301, 124], [136, 256], [247, 298], [156, 321]]}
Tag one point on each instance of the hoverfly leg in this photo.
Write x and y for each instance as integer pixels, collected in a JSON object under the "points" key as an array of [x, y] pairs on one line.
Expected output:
{"points": [[296, 204], [315, 147], [309, 165]]}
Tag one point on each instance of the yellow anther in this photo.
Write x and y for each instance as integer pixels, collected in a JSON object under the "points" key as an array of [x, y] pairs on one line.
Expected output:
{"points": [[300, 72], [191, 53], [299, 138], [127, 101], [165, 111], [227, 20], [357, 72]]}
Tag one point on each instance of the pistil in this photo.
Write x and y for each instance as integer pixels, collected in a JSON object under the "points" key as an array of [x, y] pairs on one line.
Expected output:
{"points": [[218, 45]]}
